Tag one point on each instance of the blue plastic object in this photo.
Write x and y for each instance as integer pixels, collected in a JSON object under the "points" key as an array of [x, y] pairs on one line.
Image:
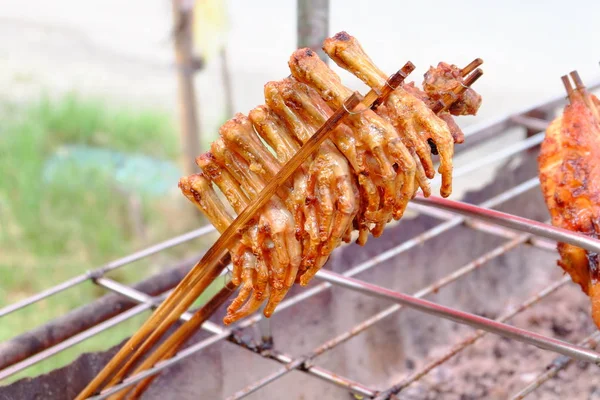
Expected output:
{"points": [[131, 172]]}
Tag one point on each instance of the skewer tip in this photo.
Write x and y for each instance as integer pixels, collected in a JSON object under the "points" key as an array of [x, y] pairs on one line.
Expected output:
{"points": [[471, 66], [408, 67], [471, 79], [585, 95], [568, 87], [393, 82], [577, 79], [448, 99], [567, 84]]}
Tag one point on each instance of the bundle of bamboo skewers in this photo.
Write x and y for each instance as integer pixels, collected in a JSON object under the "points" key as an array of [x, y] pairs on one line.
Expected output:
{"points": [[394, 129]]}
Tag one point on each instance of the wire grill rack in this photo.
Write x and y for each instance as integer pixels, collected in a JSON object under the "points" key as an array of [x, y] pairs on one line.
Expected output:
{"points": [[515, 230]]}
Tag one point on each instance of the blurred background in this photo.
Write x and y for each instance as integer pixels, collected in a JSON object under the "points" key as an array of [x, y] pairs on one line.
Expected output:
{"points": [[95, 130]]}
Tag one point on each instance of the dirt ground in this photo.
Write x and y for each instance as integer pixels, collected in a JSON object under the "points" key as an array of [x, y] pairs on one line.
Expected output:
{"points": [[497, 368]]}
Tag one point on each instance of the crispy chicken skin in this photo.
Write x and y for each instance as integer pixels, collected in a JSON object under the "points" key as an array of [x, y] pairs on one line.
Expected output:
{"points": [[569, 172]]}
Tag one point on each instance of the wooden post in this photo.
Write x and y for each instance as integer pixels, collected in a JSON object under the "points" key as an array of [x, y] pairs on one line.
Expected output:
{"points": [[313, 25], [226, 76], [186, 67]]}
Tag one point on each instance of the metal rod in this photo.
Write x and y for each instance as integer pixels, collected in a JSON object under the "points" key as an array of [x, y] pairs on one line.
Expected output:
{"points": [[124, 290], [495, 157], [83, 278], [209, 228], [149, 302], [531, 123], [472, 339], [515, 191], [436, 231], [357, 329], [478, 133], [266, 335], [138, 255], [84, 317], [141, 297], [130, 293], [294, 364], [507, 233], [555, 367], [160, 366], [321, 373], [483, 226], [73, 340], [462, 317], [513, 222], [43, 294]]}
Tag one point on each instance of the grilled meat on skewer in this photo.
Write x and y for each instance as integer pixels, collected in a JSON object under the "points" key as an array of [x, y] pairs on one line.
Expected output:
{"points": [[569, 175], [409, 109], [360, 178]]}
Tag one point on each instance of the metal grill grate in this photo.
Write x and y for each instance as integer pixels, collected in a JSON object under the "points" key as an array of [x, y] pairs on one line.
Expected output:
{"points": [[516, 231]]}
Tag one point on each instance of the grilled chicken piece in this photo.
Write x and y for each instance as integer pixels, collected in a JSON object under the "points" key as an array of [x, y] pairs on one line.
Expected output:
{"points": [[359, 179], [569, 174], [444, 79], [457, 134], [385, 155], [414, 120]]}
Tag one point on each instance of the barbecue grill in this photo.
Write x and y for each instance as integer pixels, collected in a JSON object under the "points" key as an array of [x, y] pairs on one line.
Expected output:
{"points": [[438, 219]]}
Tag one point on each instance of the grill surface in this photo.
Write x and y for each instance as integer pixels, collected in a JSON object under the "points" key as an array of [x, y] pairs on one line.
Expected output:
{"points": [[515, 232]]}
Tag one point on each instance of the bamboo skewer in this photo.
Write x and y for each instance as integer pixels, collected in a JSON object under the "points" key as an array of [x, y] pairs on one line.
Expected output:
{"points": [[170, 346], [371, 100], [585, 94], [391, 84], [190, 282], [568, 88], [470, 67], [207, 269], [190, 293], [394, 81], [580, 90], [448, 99]]}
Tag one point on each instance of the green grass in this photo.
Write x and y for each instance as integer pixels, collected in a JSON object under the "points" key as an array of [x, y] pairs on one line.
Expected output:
{"points": [[50, 232]]}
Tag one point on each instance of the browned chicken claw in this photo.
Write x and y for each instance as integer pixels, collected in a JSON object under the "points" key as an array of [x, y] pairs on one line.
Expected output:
{"points": [[414, 121], [444, 79], [360, 178], [384, 155]]}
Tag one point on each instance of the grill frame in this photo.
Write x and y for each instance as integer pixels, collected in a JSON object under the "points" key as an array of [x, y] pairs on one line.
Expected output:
{"points": [[475, 135]]}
